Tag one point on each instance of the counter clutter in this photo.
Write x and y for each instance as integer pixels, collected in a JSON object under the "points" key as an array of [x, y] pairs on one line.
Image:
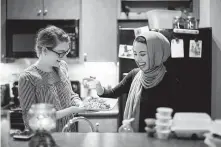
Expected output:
{"points": [[113, 140]]}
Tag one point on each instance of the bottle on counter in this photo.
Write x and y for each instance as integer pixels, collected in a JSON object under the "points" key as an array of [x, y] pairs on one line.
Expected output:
{"points": [[126, 126]]}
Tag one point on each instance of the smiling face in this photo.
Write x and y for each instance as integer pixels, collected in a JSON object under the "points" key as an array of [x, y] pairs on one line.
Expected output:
{"points": [[52, 45], [141, 55], [55, 55]]}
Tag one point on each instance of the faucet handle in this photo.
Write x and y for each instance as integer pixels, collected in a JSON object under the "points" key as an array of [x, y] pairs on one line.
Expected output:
{"points": [[97, 127]]}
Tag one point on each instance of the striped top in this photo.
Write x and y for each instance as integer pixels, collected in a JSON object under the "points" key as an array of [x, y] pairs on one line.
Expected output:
{"points": [[37, 86]]}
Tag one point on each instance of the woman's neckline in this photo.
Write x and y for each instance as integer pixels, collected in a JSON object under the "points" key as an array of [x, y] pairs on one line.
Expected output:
{"points": [[48, 72]]}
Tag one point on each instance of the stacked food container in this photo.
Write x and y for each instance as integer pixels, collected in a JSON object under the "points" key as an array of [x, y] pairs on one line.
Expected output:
{"points": [[163, 122]]}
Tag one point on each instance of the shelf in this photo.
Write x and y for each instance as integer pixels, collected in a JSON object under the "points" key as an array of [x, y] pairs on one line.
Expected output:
{"points": [[186, 31]]}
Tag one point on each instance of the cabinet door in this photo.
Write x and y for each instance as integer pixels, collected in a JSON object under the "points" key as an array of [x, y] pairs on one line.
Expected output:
{"points": [[58, 9], [99, 30], [24, 9], [106, 125]]}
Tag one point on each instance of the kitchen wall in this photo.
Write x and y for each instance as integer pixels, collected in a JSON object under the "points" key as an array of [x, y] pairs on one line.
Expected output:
{"points": [[94, 36], [106, 72], [209, 17], [215, 22]]}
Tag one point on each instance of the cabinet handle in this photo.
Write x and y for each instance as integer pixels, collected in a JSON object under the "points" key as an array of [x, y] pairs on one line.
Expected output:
{"points": [[39, 12], [45, 11], [85, 57], [97, 127]]}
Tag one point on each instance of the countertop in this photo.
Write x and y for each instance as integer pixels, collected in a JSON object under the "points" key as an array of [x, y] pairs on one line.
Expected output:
{"points": [[113, 140]]}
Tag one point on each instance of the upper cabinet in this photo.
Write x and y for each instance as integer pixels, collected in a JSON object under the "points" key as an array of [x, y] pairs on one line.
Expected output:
{"points": [[43, 9], [98, 30], [24, 9], [59, 9]]}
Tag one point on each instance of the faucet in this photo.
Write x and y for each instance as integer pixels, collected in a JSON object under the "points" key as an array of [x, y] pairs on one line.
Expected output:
{"points": [[81, 118]]}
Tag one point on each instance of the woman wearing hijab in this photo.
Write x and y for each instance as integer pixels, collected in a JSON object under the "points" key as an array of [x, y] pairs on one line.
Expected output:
{"points": [[147, 86]]}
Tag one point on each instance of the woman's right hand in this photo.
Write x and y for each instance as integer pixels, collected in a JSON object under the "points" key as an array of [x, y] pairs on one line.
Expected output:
{"points": [[92, 82]]}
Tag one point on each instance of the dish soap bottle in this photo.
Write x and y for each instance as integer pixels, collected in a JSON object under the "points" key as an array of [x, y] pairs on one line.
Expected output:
{"points": [[126, 126]]}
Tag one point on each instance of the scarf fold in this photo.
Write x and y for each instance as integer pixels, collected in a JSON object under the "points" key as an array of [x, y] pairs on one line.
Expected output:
{"points": [[158, 51]]}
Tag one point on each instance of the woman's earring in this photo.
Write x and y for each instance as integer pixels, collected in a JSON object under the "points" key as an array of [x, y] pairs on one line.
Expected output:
{"points": [[44, 51]]}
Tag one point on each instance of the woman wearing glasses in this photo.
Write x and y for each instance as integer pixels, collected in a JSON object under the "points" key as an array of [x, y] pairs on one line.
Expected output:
{"points": [[46, 81]]}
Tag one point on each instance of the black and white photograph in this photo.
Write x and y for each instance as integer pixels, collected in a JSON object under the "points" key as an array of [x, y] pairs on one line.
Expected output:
{"points": [[110, 73], [195, 49]]}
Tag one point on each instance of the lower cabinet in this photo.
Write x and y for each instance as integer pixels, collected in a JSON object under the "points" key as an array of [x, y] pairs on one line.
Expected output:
{"points": [[107, 121], [106, 124]]}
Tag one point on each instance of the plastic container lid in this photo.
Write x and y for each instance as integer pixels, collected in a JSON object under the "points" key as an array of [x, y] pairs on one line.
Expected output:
{"points": [[165, 109], [159, 116], [170, 122]]}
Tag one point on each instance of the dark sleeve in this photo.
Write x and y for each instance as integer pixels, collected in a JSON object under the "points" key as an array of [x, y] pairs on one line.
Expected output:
{"points": [[122, 87], [27, 97]]}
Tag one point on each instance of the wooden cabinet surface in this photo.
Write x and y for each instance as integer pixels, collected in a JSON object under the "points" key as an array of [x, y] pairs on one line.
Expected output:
{"points": [[43, 9], [99, 29], [24, 9], [108, 120], [58, 9]]}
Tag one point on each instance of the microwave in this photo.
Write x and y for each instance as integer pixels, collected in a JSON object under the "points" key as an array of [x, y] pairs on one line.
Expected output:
{"points": [[21, 36]]}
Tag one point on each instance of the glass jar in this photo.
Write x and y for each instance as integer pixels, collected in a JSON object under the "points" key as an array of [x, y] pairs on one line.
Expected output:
{"points": [[176, 22], [191, 22], [42, 117], [179, 22]]}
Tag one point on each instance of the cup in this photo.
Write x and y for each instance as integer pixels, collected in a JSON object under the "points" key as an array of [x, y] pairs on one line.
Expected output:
{"points": [[165, 111], [150, 122], [163, 134], [5, 128], [163, 126], [163, 119]]}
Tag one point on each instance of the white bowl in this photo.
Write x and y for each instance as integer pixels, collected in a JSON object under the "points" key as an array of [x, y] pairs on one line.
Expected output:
{"points": [[163, 127], [163, 120], [165, 111], [163, 134], [160, 116], [150, 122]]}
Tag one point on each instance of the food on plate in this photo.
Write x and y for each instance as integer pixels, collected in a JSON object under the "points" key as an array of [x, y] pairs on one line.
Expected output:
{"points": [[96, 103]]}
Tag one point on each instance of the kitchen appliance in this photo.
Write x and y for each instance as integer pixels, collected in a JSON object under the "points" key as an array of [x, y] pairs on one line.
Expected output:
{"points": [[189, 125], [21, 35], [192, 75]]}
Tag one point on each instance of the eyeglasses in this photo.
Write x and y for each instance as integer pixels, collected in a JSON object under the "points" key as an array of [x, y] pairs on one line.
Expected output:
{"points": [[60, 55]]}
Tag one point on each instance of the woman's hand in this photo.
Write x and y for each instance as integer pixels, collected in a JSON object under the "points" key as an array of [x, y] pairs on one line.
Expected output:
{"points": [[79, 103], [92, 82]]}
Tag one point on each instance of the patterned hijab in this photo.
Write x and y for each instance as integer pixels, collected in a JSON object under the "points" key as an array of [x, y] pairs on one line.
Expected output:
{"points": [[158, 51]]}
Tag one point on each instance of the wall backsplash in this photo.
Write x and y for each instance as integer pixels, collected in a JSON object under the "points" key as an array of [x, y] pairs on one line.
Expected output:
{"points": [[106, 72]]}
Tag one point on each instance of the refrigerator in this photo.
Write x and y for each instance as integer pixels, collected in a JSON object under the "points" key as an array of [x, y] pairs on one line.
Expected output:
{"points": [[192, 74]]}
